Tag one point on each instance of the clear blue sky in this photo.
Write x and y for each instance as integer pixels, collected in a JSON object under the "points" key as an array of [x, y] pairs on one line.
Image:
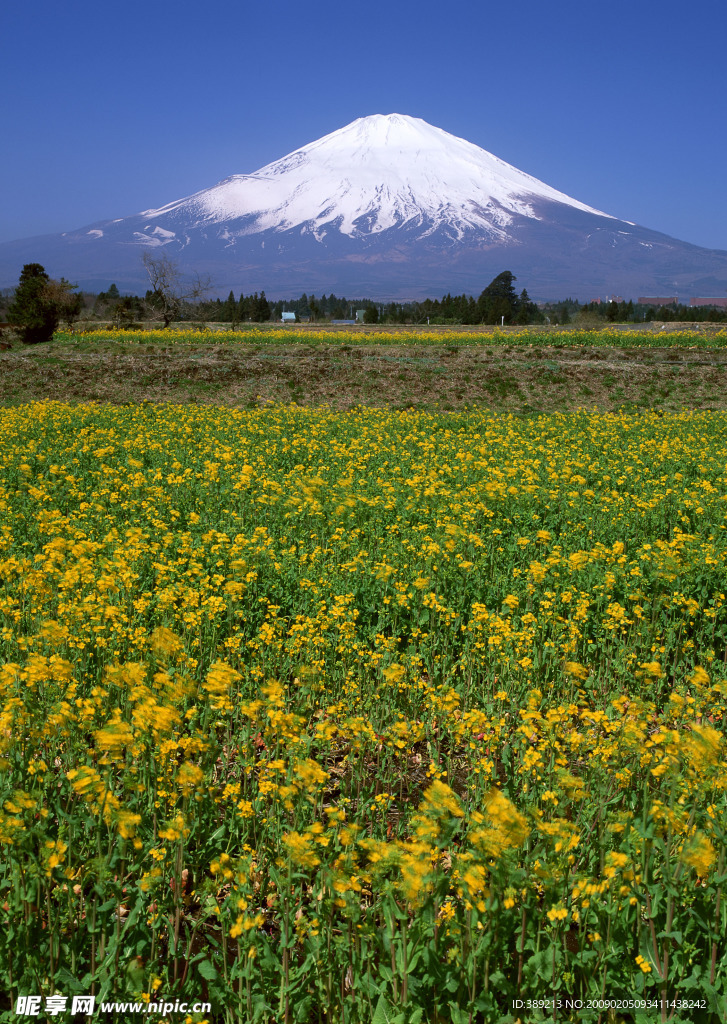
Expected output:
{"points": [[111, 108]]}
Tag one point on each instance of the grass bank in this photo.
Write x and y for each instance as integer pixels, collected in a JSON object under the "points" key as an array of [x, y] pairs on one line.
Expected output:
{"points": [[534, 376]]}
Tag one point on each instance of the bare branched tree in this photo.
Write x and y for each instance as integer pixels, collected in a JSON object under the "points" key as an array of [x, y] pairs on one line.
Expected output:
{"points": [[171, 296], [67, 303]]}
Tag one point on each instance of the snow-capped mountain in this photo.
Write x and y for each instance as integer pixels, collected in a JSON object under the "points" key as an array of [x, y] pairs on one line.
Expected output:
{"points": [[378, 173], [388, 206]]}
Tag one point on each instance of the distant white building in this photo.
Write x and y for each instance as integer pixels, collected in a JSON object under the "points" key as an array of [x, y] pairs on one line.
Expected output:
{"points": [[288, 318]]}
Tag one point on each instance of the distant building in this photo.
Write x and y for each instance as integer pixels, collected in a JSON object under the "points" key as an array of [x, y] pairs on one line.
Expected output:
{"points": [[721, 302], [615, 298], [657, 300], [288, 318]]}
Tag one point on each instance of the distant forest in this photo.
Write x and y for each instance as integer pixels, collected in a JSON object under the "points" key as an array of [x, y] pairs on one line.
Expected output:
{"points": [[498, 303]]}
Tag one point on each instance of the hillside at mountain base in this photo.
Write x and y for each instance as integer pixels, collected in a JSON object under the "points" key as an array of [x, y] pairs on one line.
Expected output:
{"points": [[390, 207]]}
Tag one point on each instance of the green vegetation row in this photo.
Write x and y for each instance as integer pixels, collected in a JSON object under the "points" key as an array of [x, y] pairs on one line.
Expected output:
{"points": [[438, 338]]}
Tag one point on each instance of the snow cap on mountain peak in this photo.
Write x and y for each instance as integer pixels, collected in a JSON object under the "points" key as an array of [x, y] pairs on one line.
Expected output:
{"points": [[378, 172]]}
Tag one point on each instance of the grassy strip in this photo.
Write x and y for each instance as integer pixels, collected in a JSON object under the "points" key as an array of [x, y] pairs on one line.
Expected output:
{"points": [[437, 338], [522, 380]]}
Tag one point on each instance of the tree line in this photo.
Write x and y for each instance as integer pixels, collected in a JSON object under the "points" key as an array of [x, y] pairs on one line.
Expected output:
{"points": [[39, 304], [630, 312], [497, 303]]}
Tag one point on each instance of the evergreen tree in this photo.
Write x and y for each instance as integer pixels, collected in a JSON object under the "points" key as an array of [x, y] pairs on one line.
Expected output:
{"points": [[229, 310], [34, 311], [263, 309], [528, 312], [498, 300], [106, 302]]}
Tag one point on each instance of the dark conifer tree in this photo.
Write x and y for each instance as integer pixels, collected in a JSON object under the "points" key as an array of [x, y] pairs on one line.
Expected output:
{"points": [[263, 309], [32, 312], [229, 310], [498, 300]]}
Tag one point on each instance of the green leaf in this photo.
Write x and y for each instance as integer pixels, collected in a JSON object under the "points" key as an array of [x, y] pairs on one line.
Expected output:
{"points": [[542, 964], [383, 1014], [701, 914], [717, 1002], [396, 910], [207, 970], [67, 982], [694, 981], [657, 893], [136, 975], [106, 983], [414, 960], [586, 955], [459, 1016]]}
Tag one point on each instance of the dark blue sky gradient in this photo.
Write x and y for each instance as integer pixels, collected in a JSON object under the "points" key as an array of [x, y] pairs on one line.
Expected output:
{"points": [[111, 108]]}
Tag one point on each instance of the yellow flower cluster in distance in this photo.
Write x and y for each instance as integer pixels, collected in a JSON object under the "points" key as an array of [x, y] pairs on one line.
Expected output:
{"points": [[273, 334]]}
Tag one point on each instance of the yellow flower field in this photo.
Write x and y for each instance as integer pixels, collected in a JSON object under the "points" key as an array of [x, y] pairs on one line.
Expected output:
{"points": [[271, 334], [366, 716]]}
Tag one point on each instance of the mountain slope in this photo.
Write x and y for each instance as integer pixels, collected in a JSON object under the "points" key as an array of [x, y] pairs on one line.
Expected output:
{"points": [[388, 206]]}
